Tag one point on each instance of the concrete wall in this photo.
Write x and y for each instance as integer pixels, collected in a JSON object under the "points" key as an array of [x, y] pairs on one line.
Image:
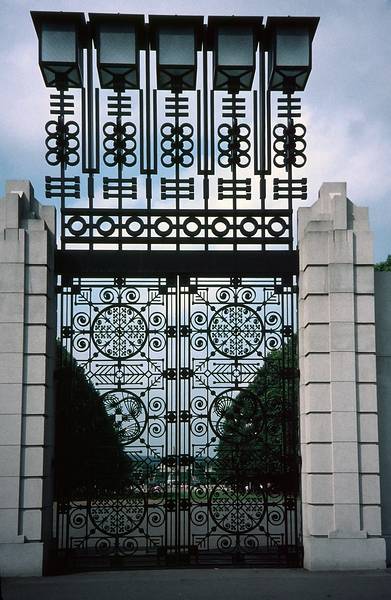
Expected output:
{"points": [[27, 334], [383, 354], [338, 392]]}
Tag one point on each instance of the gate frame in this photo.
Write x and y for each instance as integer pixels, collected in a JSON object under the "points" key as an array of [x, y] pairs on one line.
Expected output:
{"points": [[234, 269]]}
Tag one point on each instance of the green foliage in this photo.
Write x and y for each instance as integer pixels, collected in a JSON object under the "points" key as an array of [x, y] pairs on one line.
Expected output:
{"points": [[258, 427], [89, 453], [385, 265]]}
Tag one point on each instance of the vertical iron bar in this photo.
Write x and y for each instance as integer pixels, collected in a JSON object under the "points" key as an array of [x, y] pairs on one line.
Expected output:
{"points": [[289, 168], [177, 170], [205, 132], [264, 141], [165, 450], [178, 450], [97, 132], [188, 407], [234, 158], [148, 136], [120, 156], [91, 135]]}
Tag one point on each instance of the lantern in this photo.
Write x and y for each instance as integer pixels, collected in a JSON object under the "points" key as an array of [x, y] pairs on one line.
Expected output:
{"points": [[118, 40], [176, 41], [290, 47], [234, 42], [60, 37]]}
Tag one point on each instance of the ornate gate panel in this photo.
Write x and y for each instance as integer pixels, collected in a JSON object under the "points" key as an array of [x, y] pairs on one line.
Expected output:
{"points": [[182, 395], [176, 176]]}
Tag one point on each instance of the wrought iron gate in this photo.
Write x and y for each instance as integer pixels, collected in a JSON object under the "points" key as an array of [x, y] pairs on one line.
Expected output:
{"points": [[198, 460], [176, 390]]}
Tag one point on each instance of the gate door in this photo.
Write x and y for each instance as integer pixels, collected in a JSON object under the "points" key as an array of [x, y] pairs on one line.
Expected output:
{"points": [[177, 409], [176, 148]]}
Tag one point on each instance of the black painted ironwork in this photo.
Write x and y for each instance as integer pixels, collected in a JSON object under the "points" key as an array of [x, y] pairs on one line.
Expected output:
{"points": [[176, 168], [177, 292], [198, 378]]}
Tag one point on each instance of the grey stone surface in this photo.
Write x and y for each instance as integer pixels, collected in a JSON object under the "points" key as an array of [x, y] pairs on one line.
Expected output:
{"points": [[9, 492], [343, 553], [204, 584], [32, 524], [21, 558], [27, 320], [383, 349], [10, 425], [8, 523], [12, 308], [340, 472], [10, 461]]}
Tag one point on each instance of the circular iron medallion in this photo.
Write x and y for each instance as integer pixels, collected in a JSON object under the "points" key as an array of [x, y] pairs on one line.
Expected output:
{"points": [[236, 509], [236, 330], [119, 331], [118, 516]]}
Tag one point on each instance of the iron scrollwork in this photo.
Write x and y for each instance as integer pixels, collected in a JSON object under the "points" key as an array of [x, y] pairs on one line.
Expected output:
{"points": [[184, 371], [190, 381]]}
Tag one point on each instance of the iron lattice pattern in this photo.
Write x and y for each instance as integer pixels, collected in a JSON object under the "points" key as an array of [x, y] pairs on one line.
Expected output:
{"points": [[156, 170], [193, 382]]}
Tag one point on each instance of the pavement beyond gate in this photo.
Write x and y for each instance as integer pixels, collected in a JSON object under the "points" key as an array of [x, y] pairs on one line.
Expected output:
{"points": [[204, 584]]}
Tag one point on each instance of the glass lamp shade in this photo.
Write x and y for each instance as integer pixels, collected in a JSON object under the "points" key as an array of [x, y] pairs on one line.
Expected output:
{"points": [[118, 39], [290, 59], [176, 41], [234, 41], [60, 48]]}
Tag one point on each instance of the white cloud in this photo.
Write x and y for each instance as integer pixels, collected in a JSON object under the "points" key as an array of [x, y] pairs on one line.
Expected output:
{"points": [[346, 104], [345, 146]]}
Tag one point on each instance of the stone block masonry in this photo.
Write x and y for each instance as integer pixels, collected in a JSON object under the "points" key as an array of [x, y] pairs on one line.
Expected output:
{"points": [[383, 363], [27, 355], [338, 386]]}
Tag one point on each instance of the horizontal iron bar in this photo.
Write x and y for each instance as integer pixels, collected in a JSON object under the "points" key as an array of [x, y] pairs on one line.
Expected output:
{"points": [[175, 239], [106, 263], [167, 212]]}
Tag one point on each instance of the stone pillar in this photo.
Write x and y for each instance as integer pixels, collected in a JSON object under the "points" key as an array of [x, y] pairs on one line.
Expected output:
{"points": [[338, 399], [27, 334], [383, 361]]}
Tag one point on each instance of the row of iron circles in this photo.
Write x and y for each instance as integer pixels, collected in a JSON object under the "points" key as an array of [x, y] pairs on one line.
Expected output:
{"points": [[62, 143], [177, 145], [234, 145], [119, 144], [164, 226], [289, 145]]}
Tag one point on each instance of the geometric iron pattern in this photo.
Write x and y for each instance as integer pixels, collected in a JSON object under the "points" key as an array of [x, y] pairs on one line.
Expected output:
{"points": [[188, 170], [196, 378]]}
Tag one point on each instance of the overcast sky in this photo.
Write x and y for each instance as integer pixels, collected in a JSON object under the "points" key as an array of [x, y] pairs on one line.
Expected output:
{"points": [[346, 106]]}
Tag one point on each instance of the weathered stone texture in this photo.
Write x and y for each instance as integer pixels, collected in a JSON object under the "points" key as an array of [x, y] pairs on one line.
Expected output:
{"points": [[338, 402], [27, 322]]}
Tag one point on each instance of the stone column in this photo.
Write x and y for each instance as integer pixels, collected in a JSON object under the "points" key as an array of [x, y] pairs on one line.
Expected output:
{"points": [[338, 400], [383, 360], [27, 334]]}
